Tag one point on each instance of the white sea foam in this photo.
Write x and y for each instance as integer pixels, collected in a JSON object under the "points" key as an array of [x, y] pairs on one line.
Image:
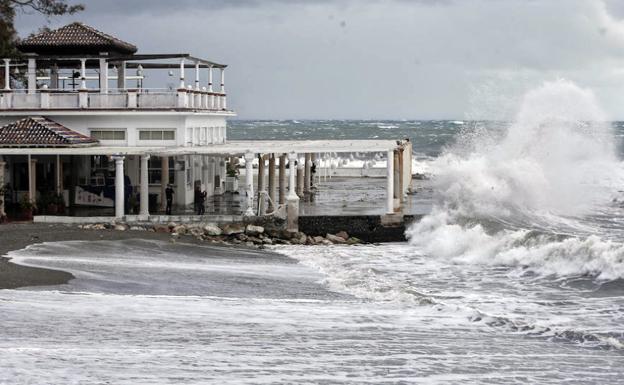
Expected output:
{"points": [[554, 166]]}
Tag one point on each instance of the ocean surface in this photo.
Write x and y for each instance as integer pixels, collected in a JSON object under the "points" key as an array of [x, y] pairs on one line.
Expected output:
{"points": [[515, 275]]}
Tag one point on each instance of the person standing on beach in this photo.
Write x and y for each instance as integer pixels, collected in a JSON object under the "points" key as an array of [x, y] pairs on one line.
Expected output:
{"points": [[169, 196], [201, 201]]}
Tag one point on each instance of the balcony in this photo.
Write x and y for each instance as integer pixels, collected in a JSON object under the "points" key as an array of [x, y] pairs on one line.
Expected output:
{"points": [[66, 82], [143, 99]]}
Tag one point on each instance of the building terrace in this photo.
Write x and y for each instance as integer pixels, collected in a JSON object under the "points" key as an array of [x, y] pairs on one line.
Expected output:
{"points": [[108, 74]]}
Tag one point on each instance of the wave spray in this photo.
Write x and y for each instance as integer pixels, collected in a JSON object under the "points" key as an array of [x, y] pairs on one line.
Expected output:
{"points": [[526, 196]]}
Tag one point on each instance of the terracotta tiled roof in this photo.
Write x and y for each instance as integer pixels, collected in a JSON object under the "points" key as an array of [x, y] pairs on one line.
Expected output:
{"points": [[75, 38], [37, 131]]}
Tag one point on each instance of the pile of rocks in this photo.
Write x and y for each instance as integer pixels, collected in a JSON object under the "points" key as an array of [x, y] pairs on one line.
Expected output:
{"points": [[233, 234]]}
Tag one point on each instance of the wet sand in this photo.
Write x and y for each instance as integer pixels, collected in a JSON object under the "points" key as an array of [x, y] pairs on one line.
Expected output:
{"points": [[17, 236]]}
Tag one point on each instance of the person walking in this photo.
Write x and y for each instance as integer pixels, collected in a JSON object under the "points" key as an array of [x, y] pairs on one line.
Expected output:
{"points": [[169, 196]]}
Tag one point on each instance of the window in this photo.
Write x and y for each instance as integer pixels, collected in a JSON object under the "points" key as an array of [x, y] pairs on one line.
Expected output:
{"points": [[108, 134], [156, 134], [154, 170]]}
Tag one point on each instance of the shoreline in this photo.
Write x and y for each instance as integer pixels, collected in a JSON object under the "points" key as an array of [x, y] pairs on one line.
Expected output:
{"points": [[17, 236]]}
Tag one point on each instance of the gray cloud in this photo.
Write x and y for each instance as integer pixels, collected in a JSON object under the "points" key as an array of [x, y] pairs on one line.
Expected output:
{"points": [[380, 59]]}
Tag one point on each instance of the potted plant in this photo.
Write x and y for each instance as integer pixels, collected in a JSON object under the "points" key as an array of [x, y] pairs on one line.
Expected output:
{"points": [[26, 208], [48, 204], [231, 180]]}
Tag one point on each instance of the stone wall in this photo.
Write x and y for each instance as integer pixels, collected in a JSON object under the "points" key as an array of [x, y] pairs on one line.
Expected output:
{"points": [[368, 228]]}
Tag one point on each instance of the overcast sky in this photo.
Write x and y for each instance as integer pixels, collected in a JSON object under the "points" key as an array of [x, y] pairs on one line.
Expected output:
{"points": [[376, 59]]}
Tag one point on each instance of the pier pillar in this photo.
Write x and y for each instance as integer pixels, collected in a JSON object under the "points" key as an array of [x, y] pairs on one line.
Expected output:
{"points": [[390, 183], [249, 157], [272, 200], [282, 179], [292, 209], [2, 183], [308, 174], [313, 162], [397, 181], [164, 181], [401, 192], [144, 188], [261, 185], [119, 186], [407, 168], [300, 177], [32, 180]]}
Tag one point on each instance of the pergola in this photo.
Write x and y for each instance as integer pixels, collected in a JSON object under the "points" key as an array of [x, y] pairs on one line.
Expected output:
{"points": [[398, 165]]}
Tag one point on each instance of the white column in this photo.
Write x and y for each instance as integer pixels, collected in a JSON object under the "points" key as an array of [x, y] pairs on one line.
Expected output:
{"points": [[164, 181], [282, 179], [181, 73], [197, 76], [7, 74], [210, 79], [292, 183], [144, 203], [32, 180], [32, 76], [59, 173], [272, 195], [308, 172], [103, 76], [292, 201], [249, 157], [390, 183], [83, 74], [222, 80], [119, 186], [121, 76], [261, 185], [2, 212]]}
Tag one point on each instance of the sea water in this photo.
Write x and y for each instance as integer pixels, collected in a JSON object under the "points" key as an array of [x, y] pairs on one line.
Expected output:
{"points": [[516, 275]]}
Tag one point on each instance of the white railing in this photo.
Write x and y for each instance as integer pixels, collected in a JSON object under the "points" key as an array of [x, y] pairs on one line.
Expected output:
{"points": [[157, 100], [117, 99]]}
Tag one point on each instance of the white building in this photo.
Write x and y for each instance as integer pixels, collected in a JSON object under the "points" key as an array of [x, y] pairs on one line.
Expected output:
{"points": [[97, 85], [87, 119]]}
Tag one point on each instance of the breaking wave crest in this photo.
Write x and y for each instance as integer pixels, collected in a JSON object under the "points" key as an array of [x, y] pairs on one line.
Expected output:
{"points": [[538, 197]]}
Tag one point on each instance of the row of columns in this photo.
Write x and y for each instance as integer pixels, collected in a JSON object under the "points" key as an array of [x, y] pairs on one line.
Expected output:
{"points": [[103, 70], [276, 192], [197, 86], [32, 181], [299, 182]]}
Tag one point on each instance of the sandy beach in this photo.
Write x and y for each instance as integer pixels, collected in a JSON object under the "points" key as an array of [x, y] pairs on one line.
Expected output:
{"points": [[16, 236]]}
